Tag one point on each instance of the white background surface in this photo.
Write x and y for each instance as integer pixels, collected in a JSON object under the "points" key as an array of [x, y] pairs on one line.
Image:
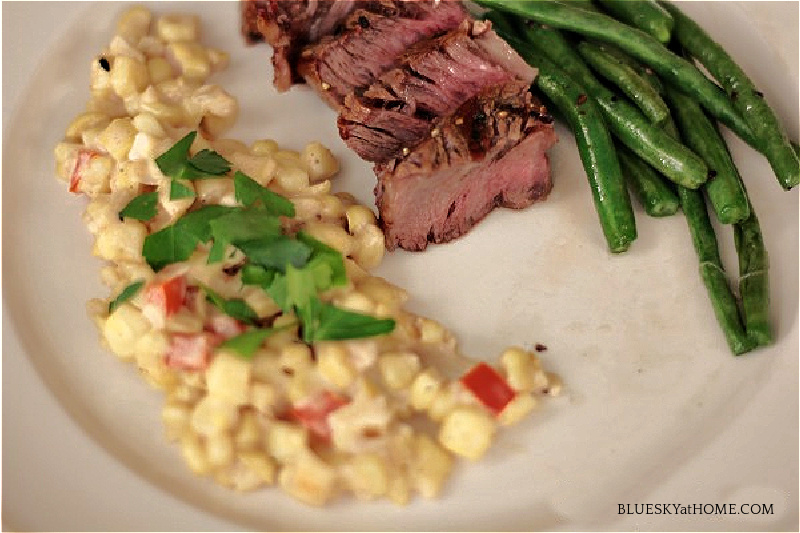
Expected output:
{"points": [[656, 410]]}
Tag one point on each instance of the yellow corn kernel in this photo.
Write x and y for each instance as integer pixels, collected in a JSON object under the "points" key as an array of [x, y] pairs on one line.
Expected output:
{"points": [[262, 396], [291, 178], [467, 431], [367, 476], [356, 302], [219, 59], [399, 490], [123, 328], [214, 126], [308, 479], [430, 331], [370, 246], [184, 321], [290, 158], [260, 168], [248, 434], [228, 147], [176, 27], [264, 147], [183, 394], [516, 409], [431, 466], [175, 417], [212, 416], [192, 59], [519, 371], [358, 216], [219, 449], [128, 76], [128, 175], [319, 189], [285, 441], [228, 378], [554, 384], [85, 121], [319, 162], [260, 465], [424, 389], [117, 138], [159, 69], [332, 235], [360, 425], [398, 369], [381, 291], [295, 358], [333, 363], [195, 454], [134, 24]]}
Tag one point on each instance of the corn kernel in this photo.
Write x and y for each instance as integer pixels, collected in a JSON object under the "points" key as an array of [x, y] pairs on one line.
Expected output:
{"points": [[262, 396], [318, 161], [431, 466], [516, 409], [264, 147], [367, 476], [219, 449], [128, 76], [85, 121], [173, 28], [260, 465], [424, 389], [398, 369], [123, 328], [212, 416], [519, 371], [285, 441], [308, 479], [358, 216], [117, 138], [248, 434], [228, 378], [191, 58], [194, 454], [159, 70], [292, 178], [134, 24], [467, 431], [334, 364], [175, 417]]}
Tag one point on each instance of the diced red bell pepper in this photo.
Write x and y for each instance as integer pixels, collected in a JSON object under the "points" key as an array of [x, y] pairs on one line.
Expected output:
{"points": [[168, 295], [313, 414], [489, 387], [191, 351], [84, 157]]}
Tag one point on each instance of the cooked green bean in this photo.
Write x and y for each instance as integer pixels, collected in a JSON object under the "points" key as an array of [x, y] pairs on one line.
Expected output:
{"points": [[594, 142], [653, 193], [640, 45], [666, 154], [646, 15], [753, 279], [747, 100], [719, 292], [627, 79], [725, 189]]}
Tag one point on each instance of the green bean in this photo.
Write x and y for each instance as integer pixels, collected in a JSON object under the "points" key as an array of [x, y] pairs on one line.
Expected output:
{"points": [[753, 279], [641, 46], [627, 79], [595, 146], [646, 15], [725, 190], [654, 194], [667, 155], [747, 100], [719, 292]]}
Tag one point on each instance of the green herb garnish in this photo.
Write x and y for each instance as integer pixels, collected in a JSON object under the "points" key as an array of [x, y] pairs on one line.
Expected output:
{"points": [[177, 242], [245, 344], [327, 322], [235, 307], [249, 192], [143, 207], [241, 225], [126, 294], [176, 164]]}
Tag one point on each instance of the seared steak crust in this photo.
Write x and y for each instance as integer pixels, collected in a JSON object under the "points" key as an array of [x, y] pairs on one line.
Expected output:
{"points": [[370, 41], [490, 152], [430, 80]]}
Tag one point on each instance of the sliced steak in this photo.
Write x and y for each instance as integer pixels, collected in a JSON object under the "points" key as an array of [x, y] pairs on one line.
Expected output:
{"points": [[490, 152], [288, 26], [371, 40], [430, 80]]}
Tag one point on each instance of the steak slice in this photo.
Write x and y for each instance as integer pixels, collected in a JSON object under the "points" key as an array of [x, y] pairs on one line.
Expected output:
{"points": [[490, 152], [289, 25], [430, 80], [372, 38]]}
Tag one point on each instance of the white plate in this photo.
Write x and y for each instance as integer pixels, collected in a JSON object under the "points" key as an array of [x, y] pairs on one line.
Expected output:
{"points": [[656, 409]]}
